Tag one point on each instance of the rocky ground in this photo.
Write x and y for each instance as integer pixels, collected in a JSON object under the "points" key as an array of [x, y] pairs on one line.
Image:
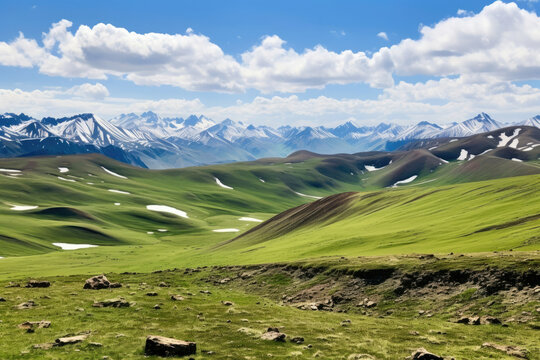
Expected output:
{"points": [[276, 311]]}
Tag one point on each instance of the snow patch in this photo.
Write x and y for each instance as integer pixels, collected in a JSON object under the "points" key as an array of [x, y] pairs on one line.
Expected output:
{"points": [[162, 230], [516, 159], [66, 246], [485, 152], [453, 140], [222, 184], [406, 181], [373, 168], [119, 192], [113, 173], [490, 137], [225, 230], [64, 179], [462, 155], [150, 232], [117, 204], [23, 207], [471, 157], [261, 180], [514, 143], [506, 139], [63, 169], [167, 209], [308, 196], [244, 218], [10, 170]]}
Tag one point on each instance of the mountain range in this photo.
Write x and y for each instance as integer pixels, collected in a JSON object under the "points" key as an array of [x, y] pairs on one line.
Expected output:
{"points": [[151, 141]]}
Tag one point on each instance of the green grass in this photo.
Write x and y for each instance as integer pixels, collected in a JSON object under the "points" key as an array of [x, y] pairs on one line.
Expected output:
{"points": [[215, 327], [380, 228]]}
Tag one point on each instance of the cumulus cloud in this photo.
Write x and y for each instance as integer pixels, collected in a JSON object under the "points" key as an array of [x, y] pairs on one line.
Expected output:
{"points": [[95, 91], [383, 35], [502, 41]]}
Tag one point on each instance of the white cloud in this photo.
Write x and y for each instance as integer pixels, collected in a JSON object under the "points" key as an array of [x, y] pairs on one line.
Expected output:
{"points": [[502, 42], [383, 35], [95, 91], [462, 12]]}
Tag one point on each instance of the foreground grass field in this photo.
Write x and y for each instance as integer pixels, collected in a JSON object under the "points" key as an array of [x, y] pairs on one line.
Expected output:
{"points": [[391, 330]]}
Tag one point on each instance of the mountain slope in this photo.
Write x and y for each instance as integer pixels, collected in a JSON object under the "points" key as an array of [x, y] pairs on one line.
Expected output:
{"points": [[481, 216]]}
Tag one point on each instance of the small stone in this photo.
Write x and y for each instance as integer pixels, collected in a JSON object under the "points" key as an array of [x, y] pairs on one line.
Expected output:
{"points": [[115, 303], [43, 324], [38, 284], [423, 354], [273, 334], [157, 307], [227, 303], [177, 297], [297, 340], [151, 294], [100, 282], [163, 284], [70, 340], [26, 305]]}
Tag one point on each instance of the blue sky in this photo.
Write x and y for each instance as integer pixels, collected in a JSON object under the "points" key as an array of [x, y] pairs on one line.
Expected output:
{"points": [[305, 93]]}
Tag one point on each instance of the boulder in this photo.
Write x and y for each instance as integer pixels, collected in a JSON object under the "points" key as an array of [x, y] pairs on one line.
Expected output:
{"points": [[227, 303], [152, 294], [100, 282], [38, 284], [490, 320], [473, 320], [177, 297], [273, 334], [297, 340], [423, 354], [163, 346], [115, 303]]}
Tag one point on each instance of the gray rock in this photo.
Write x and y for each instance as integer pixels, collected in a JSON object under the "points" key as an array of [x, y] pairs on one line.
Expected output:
{"points": [[163, 346]]}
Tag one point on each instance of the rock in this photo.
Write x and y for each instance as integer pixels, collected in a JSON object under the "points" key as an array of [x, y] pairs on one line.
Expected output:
{"points": [[227, 303], [224, 281], [508, 349], [13, 284], [38, 284], [490, 320], [45, 346], [151, 294], [370, 304], [95, 344], [205, 292], [423, 354], [177, 297], [163, 284], [31, 324], [157, 307], [360, 357], [100, 282], [163, 346], [2, 299], [297, 340], [473, 320], [115, 303], [273, 334], [26, 305], [70, 340]]}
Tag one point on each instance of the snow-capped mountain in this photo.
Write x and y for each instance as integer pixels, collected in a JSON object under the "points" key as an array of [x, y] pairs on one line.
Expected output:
{"points": [[478, 124], [534, 121], [153, 141]]}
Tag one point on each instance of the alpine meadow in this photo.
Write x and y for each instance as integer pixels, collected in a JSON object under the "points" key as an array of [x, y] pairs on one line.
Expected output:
{"points": [[270, 180]]}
